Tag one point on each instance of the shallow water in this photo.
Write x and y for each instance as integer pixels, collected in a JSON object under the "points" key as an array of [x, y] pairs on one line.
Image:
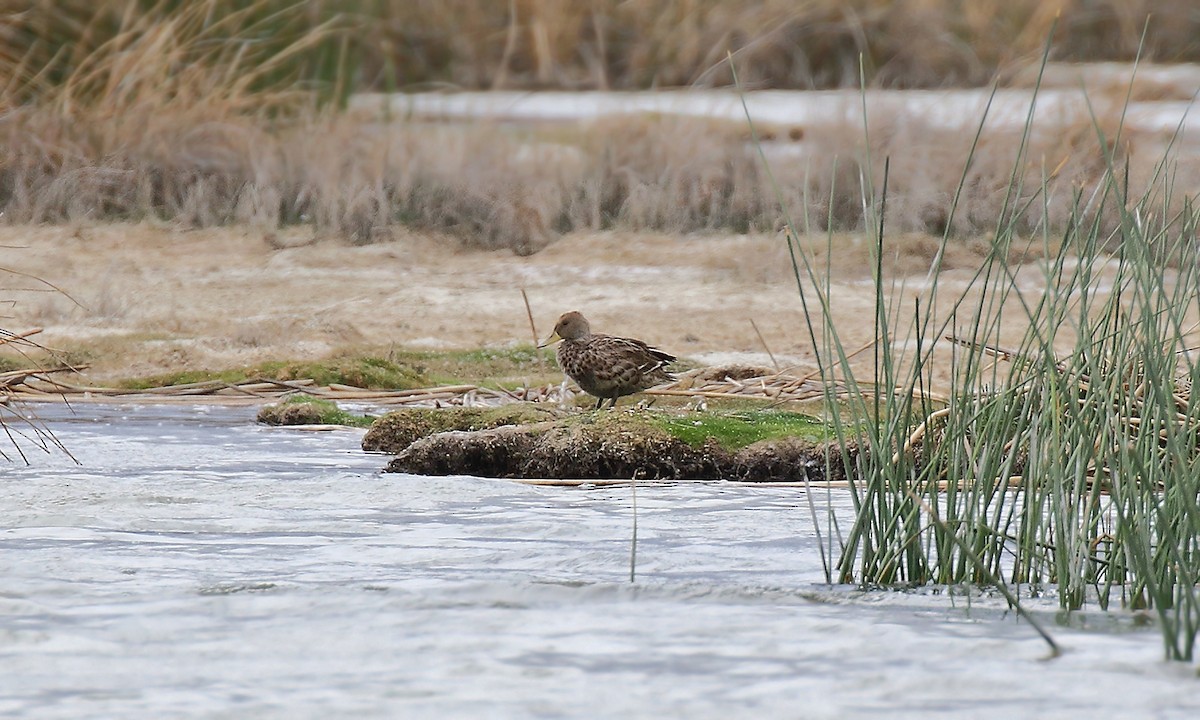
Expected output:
{"points": [[952, 109], [198, 565]]}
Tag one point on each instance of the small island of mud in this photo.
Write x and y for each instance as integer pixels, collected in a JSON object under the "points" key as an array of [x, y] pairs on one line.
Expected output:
{"points": [[530, 442]]}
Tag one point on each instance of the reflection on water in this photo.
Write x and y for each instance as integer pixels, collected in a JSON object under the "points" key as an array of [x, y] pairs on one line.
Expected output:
{"points": [[198, 565]]}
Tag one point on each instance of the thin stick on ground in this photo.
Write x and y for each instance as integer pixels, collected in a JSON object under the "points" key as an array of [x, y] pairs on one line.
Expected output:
{"points": [[763, 340], [533, 330]]}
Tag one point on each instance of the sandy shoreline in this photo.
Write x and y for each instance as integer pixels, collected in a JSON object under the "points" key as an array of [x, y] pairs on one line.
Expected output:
{"points": [[153, 299]]}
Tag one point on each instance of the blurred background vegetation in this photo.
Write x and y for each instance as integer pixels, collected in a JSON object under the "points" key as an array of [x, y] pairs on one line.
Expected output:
{"points": [[211, 112], [82, 48]]}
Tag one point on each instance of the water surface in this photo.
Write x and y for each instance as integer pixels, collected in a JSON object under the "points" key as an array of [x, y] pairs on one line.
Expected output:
{"points": [[197, 565]]}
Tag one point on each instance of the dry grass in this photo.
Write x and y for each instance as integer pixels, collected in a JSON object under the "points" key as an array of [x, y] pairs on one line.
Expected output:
{"points": [[497, 187], [780, 43], [616, 44], [197, 113]]}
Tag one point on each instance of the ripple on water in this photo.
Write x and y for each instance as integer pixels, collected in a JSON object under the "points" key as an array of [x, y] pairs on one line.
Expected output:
{"points": [[195, 564]]}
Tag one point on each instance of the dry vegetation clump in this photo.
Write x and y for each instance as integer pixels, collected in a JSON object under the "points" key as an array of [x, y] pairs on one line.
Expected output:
{"points": [[20, 430], [485, 185], [1046, 181], [496, 187], [778, 43], [488, 186], [669, 173], [200, 114], [162, 111], [345, 45]]}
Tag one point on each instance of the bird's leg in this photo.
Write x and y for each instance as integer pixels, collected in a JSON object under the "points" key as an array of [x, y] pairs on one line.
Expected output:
{"points": [[599, 402], [613, 404]]}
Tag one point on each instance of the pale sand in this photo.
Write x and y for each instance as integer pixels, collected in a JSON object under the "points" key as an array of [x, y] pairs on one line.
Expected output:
{"points": [[157, 298]]}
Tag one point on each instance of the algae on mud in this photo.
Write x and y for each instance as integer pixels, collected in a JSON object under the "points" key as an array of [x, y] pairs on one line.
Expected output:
{"points": [[307, 410], [734, 431], [395, 431], [363, 371], [380, 368], [531, 443]]}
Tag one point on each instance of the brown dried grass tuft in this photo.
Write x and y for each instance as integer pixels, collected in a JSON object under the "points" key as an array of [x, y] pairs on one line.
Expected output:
{"points": [[191, 113], [670, 173], [1056, 177], [605, 44], [778, 43], [492, 186]]}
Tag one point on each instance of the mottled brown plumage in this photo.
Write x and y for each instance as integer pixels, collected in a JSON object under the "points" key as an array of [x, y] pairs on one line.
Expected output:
{"points": [[606, 366]]}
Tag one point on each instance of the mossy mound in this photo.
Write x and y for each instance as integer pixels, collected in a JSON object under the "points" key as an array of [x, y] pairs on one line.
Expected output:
{"points": [[395, 431], [735, 430], [582, 447], [289, 414], [494, 452], [613, 444], [305, 410]]}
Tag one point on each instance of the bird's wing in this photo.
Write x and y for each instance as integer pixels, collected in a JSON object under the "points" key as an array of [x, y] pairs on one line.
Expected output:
{"points": [[634, 352]]}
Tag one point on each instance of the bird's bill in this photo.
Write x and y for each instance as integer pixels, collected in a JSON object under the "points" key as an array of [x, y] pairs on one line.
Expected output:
{"points": [[554, 337]]}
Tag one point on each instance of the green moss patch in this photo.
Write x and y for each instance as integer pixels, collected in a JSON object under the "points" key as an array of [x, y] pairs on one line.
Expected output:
{"points": [[395, 431], [581, 446], [763, 446], [358, 371], [491, 366], [307, 410], [733, 431], [395, 370], [9, 364]]}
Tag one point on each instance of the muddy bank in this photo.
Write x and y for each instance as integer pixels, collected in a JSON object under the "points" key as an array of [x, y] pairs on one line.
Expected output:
{"points": [[531, 443]]}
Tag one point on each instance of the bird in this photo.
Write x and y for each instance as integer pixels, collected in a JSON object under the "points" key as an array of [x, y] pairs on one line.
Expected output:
{"points": [[606, 366]]}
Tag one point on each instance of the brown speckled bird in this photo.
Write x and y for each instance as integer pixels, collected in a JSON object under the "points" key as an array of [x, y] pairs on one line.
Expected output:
{"points": [[606, 366]]}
